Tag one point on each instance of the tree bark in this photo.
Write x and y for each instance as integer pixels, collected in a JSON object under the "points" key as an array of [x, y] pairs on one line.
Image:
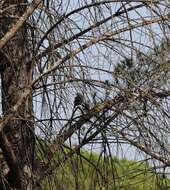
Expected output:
{"points": [[17, 137]]}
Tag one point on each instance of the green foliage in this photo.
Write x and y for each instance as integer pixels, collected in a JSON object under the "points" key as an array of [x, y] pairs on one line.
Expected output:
{"points": [[91, 171]]}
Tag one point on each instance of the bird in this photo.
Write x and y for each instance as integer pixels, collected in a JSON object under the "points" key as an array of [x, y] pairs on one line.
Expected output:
{"points": [[78, 100]]}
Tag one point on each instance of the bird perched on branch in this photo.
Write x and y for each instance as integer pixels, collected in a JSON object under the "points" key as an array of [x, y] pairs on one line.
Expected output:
{"points": [[79, 100], [81, 103]]}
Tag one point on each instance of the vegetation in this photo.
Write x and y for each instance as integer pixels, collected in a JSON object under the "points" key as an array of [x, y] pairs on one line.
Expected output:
{"points": [[93, 172], [84, 75]]}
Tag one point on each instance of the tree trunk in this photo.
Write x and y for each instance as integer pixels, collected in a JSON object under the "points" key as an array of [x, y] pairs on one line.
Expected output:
{"points": [[17, 138]]}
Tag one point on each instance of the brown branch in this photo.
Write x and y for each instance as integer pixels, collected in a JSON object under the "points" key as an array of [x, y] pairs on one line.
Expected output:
{"points": [[20, 98], [97, 24], [76, 36], [64, 135], [163, 94], [147, 150], [47, 166], [5, 145], [19, 23], [95, 40]]}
